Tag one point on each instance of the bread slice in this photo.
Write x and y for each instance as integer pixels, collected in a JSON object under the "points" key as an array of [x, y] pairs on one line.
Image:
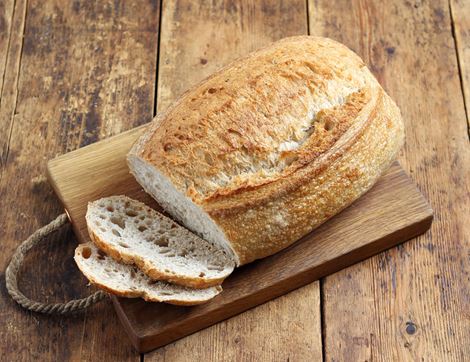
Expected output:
{"points": [[133, 233], [128, 281]]}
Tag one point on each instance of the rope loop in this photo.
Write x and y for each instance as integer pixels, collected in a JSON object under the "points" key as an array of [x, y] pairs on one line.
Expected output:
{"points": [[11, 276]]}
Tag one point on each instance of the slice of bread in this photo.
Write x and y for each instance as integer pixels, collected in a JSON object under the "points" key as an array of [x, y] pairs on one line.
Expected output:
{"points": [[133, 233], [128, 281]]}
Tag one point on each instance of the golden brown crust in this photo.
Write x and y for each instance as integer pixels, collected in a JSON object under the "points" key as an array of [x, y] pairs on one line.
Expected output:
{"points": [[299, 131], [333, 185], [234, 131]]}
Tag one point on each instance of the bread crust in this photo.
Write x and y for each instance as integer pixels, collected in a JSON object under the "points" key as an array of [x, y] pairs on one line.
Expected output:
{"points": [[205, 142], [326, 188]]}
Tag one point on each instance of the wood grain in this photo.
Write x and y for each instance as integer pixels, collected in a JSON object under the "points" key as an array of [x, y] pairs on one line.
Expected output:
{"points": [[81, 72], [412, 302], [6, 20], [199, 38], [11, 54], [259, 334], [460, 18]]}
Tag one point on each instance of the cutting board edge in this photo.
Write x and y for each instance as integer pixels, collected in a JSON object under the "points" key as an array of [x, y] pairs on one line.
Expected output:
{"points": [[55, 187]]}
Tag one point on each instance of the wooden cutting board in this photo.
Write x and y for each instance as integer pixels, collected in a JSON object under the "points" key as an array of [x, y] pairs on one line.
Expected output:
{"points": [[392, 212]]}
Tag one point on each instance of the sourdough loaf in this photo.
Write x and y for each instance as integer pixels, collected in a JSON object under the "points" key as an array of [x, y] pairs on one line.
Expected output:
{"points": [[271, 146]]}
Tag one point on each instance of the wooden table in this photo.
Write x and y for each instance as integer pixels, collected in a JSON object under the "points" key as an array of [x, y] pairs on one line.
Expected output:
{"points": [[72, 73]]}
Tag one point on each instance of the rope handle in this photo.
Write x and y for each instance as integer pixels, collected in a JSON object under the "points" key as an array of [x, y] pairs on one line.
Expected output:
{"points": [[11, 275]]}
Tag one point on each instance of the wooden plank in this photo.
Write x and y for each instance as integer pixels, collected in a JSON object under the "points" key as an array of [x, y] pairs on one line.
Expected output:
{"points": [[460, 17], [197, 39], [82, 72], [258, 334], [6, 19], [412, 302], [11, 55]]}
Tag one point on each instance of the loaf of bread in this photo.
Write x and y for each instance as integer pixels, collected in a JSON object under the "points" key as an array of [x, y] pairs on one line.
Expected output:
{"points": [[271, 146]]}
